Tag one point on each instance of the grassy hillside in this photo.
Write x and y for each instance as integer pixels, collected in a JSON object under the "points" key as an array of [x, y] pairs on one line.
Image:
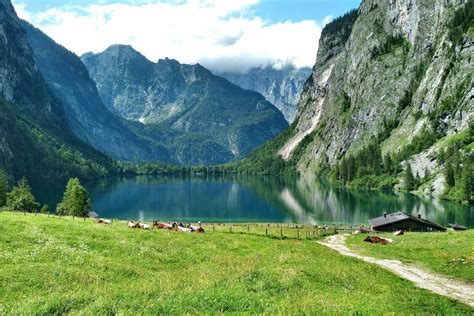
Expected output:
{"points": [[450, 253], [57, 265]]}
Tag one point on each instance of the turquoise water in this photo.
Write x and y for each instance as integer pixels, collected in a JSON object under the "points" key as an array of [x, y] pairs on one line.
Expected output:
{"points": [[254, 199]]}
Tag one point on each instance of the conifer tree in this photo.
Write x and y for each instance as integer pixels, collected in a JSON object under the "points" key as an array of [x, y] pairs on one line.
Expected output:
{"points": [[449, 175], [409, 178], [76, 200]]}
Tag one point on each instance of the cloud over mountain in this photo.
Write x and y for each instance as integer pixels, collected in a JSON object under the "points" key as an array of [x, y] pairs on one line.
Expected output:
{"points": [[221, 35]]}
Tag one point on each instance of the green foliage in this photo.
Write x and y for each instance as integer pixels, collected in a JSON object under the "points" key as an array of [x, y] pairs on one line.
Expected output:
{"points": [[340, 27], [76, 200], [43, 155], [45, 209], [3, 188], [390, 45], [462, 22], [449, 103], [367, 162], [21, 199], [449, 175], [409, 180], [458, 158]]}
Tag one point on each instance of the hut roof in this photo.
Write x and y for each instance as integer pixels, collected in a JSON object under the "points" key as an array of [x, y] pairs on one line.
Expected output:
{"points": [[401, 216]]}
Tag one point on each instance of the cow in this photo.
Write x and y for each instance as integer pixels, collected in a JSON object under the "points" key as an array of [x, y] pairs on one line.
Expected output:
{"points": [[103, 221], [197, 229], [160, 225], [132, 224], [378, 240]]}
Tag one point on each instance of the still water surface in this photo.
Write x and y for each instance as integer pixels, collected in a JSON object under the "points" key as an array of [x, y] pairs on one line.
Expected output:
{"points": [[254, 199]]}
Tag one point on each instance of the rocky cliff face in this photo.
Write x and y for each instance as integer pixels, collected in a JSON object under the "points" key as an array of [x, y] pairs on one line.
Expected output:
{"points": [[199, 117], [89, 119], [20, 81], [35, 140], [282, 87], [397, 73]]}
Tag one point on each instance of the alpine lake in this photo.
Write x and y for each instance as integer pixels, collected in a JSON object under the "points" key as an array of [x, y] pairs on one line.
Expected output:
{"points": [[253, 199]]}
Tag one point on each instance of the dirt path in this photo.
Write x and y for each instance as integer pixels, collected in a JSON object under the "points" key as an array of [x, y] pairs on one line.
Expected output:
{"points": [[461, 291]]}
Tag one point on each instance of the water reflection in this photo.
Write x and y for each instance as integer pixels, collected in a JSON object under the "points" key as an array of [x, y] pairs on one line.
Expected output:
{"points": [[255, 199]]}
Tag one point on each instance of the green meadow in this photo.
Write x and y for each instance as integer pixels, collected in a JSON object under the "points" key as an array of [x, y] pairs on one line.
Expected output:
{"points": [[450, 253], [52, 265]]}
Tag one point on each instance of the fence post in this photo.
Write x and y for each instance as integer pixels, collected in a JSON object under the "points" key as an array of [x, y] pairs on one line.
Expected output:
{"points": [[266, 231], [281, 232], [230, 229], [73, 217], [213, 227], [298, 232], [248, 228]]}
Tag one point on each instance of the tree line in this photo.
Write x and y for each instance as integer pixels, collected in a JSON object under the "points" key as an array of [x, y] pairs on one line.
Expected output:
{"points": [[75, 202]]}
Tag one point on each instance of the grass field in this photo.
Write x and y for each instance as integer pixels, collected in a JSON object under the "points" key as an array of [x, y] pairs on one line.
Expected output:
{"points": [[55, 265], [450, 253]]}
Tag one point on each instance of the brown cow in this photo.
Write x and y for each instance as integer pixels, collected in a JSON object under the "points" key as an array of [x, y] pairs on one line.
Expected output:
{"points": [[378, 240], [160, 225]]}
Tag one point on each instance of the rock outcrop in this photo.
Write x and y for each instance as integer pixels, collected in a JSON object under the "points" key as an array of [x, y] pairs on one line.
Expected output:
{"points": [[397, 72], [282, 87]]}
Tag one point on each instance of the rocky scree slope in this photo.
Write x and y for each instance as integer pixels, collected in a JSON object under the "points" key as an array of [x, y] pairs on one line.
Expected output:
{"points": [[35, 140], [200, 118], [282, 87], [393, 73]]}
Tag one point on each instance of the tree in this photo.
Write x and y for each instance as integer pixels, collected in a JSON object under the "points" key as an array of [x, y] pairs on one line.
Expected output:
{"points": [[76, 200], [409, 178], [3, 188], [20, 197], [467, 184], [449, 175], [45, 209]]}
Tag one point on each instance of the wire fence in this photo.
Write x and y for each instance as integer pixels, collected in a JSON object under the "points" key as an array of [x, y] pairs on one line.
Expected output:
{"points": [[271, 230]]}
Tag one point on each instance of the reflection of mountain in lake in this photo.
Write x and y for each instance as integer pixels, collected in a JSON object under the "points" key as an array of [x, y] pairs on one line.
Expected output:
{"points": [[255, 199]]}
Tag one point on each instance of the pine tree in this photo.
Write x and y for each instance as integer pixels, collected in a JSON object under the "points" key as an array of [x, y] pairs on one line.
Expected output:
{"points": [[409, 178], [387, 164], [449, 175], [467, 184], [76, 200], [3, 188], [20, 198]]}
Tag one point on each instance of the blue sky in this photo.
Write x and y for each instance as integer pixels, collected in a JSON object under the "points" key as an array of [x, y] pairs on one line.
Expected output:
{"points": [[223, 35], [275, 10]]}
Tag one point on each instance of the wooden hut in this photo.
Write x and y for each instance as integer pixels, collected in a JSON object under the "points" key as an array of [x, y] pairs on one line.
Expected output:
{"points": [[400, 220]]}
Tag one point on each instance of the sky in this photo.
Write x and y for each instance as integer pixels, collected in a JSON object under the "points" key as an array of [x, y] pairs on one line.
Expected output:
{"points": [[223, 35]]}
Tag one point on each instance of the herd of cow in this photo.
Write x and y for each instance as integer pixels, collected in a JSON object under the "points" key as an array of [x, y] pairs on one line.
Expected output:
{"points": [[179, 227]]}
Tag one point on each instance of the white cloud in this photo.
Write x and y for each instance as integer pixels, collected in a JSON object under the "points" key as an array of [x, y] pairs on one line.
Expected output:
{"points": [[222, 35]]}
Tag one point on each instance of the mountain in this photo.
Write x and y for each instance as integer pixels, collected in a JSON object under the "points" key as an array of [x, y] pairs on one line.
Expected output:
{"points": [[389, 103], [281, 87], [394, 80], [201, 118], [87, 116], [35, 140]]}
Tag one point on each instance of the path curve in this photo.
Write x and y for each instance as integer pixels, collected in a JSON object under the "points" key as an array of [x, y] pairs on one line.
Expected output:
{"points": [[461, 291]]}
